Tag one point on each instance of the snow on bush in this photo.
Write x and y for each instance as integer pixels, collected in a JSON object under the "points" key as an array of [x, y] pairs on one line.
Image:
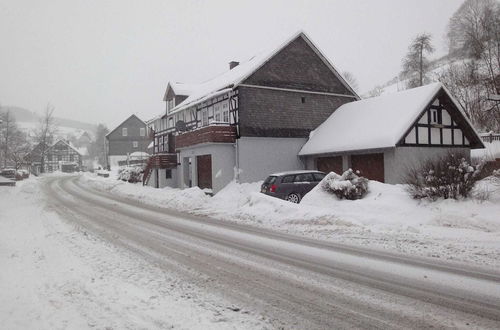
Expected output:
{"points": [[449, 177], [130, 174], [345, 186]]}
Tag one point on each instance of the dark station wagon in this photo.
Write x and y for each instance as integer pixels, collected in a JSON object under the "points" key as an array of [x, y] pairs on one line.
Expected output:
{"points": [[292, 185]]}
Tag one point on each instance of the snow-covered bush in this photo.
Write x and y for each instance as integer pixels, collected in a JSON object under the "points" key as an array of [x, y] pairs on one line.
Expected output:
{"points": [[345, 186], [447, 177], [130, 174]]}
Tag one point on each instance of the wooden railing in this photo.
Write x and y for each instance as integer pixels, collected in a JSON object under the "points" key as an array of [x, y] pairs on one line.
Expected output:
{"points": [[207, 134], [490, 137]]}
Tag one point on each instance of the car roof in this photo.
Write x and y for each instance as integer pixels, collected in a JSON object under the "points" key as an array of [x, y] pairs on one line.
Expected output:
{"points": [[295, 172]]}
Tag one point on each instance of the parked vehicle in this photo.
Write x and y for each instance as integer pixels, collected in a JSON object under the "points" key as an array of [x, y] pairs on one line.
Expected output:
{"points": [[24, 173], [292, 185], [9, 173]]}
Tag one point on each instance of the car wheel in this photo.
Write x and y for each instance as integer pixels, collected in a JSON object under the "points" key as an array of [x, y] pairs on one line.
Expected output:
{"points": [[294, 198]]}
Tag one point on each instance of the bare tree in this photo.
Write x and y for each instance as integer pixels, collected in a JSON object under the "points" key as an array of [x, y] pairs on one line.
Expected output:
{"points": [[44, 134], [351, 80], [97, 148], [376, 91], [415, 64], [13, 141], [474, 37]]}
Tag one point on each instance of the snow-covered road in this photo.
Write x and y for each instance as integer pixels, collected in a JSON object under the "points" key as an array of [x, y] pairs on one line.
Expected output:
{"points": [[295, 282]]}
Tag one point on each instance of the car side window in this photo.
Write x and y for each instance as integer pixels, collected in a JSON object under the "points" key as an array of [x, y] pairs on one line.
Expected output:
{"points": [[318, 176], [288, 179], [306, 177]]}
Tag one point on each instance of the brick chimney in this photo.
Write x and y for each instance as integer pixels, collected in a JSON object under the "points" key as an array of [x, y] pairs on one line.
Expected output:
{"points": [[233, 64]]}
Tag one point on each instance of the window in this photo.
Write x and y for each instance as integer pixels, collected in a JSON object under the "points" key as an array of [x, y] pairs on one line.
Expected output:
{"points": [[135, 144], [170, 122], [49, 158], [170, 104], [306, 177], [288, 179], [303, 99], [142, 131], [59, 157], [318, 176], [204, 117], [435, 117], [217, 112], [71, 158], [168, 174], [124, 131]]}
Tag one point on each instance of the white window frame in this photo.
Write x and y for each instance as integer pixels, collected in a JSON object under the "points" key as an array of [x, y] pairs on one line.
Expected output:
{"points": [[135, 144], [434, 116], [124, 131], [142, 131]]}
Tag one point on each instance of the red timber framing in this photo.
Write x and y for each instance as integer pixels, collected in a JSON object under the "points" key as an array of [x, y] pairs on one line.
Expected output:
{"points": [[208, 134]]}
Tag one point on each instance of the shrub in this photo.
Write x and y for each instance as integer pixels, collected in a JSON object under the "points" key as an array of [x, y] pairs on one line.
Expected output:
{"points": [[448, 177], [130, 174], [348, 185]]}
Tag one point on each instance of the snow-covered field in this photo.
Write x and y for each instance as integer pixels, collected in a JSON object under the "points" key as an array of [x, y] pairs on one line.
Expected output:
{"points": [[58, 276], [466, 231]]}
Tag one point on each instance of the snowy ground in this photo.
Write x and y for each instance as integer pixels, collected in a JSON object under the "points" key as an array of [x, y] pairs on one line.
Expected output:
{"points": [[57, 276], [466, 231]]}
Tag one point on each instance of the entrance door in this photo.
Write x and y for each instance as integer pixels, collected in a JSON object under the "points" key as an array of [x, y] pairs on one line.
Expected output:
{"points": [[204, 169], [371, 166], [330, 164]]}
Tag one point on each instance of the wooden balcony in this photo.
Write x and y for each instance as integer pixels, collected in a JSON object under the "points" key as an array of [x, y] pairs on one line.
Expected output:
{"points": [[207, 134], [167, 161]]}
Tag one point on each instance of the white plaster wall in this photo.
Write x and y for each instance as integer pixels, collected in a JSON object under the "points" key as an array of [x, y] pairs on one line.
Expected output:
{"points": [[399, 160], [223, 163], [113, 160], [260, 156]]}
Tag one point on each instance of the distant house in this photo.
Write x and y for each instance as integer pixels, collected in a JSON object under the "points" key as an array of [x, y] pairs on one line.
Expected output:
{"points": [[130, 137], [61, 156], [247, 122], [384, 136]]}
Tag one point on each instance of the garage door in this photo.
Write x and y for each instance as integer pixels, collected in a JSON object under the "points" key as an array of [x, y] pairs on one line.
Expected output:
{"points": [[371, 166], [329, 164], [204, 168]]}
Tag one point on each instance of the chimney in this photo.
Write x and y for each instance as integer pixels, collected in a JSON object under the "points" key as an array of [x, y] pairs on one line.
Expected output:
{"points": [[233, 64]]}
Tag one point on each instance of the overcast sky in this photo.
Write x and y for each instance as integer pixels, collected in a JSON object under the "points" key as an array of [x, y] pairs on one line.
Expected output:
{"points": [[100, 61]]}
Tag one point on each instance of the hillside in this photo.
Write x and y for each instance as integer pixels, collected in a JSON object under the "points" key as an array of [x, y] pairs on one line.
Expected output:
{"points": [[28, 120]]}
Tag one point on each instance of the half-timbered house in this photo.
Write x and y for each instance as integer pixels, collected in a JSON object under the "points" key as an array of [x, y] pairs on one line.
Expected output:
{"points": [[61, 156], [247, 122], [384, 136]]}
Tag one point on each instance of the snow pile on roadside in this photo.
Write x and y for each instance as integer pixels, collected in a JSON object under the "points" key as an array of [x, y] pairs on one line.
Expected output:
{"points": [[182, 200], [385, 208], [389, 207]]}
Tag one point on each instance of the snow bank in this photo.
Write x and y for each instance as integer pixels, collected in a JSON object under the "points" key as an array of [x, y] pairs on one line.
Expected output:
{"points": [[386, 217]]}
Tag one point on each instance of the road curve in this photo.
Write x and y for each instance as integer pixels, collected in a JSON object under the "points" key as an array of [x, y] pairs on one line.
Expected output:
{"points": [[295, 282]]}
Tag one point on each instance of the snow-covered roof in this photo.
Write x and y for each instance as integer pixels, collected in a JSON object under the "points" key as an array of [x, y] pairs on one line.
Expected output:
{"points": [[83, 151], [232, 78], [66, 143], [374, 123]]}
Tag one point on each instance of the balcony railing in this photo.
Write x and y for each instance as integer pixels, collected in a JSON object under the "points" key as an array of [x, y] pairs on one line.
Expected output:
{"points": [[214, 133], [163, 161]]}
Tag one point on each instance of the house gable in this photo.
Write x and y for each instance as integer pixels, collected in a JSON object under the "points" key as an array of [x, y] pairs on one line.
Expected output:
{"points": [[132, 123], [441, 124], [299, 66]]}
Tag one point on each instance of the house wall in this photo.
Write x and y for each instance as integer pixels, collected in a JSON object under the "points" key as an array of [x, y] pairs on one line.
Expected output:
{"points": [[223, 164], [297, 66], [274, 113], [121, 145], [399, 160], [260, 156]]}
